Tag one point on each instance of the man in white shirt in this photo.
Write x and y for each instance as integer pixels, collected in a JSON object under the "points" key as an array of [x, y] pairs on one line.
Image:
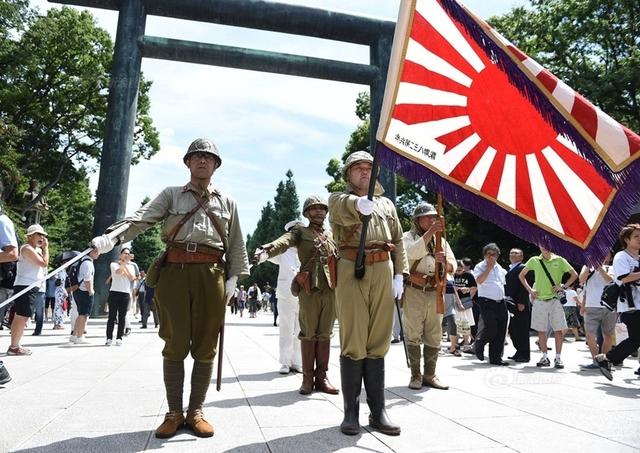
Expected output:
{"points": [[490, 277]]}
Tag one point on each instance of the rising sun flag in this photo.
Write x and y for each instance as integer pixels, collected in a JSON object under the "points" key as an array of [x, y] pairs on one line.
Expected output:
{"points": [[470, 115]]}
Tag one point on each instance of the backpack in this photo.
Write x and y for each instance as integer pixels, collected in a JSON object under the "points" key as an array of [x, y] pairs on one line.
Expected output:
{"points": [[610, 296], [71, 284]]}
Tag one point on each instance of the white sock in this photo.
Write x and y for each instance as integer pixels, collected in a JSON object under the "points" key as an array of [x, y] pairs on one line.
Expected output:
{"points": [[558, 355], [544, 355]]}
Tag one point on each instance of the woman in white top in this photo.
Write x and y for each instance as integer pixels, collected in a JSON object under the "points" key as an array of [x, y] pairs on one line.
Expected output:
{"points": [[626, 269], [122, 274], [31, 268]]}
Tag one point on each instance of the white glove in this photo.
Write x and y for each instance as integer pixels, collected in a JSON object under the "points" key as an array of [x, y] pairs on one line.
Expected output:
{"points": [[102, 244], [365, 206], [230, 287], [260, 256], [398, 286]]}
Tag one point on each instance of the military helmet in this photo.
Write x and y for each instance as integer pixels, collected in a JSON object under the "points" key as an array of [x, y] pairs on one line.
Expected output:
{"points": [[422, 209], [314, 200], [203, 145], [358, 156]]}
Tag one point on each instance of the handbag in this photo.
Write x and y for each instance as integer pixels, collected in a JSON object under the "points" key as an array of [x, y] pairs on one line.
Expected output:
{"points": [[467, 302], [562, 297]]}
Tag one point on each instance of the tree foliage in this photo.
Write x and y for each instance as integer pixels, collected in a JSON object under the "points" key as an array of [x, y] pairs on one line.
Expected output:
{"points": [[53, 101], [274, 216]]}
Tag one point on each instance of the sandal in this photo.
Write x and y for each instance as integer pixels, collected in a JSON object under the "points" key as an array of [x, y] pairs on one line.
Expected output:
{"points": [[455, 352]]}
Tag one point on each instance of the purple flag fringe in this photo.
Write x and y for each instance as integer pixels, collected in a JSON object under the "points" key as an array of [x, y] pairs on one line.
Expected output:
{"points": [[604, 238], [532, 93]]}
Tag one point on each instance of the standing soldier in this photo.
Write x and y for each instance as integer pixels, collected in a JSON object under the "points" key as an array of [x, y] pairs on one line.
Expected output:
{"points": [[205, 246], [422, 322], [365, 306], [317, 253]]}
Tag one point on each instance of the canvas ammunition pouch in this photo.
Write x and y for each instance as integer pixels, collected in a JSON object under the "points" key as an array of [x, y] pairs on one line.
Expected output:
{"points": [[301, 282]]}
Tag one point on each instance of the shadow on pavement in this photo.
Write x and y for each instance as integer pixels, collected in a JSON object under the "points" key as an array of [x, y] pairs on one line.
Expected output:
{"points": [[113, 443]]}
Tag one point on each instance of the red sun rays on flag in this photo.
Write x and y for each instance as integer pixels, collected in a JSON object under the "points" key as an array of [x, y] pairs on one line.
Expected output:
{"points": [[457, 113]]}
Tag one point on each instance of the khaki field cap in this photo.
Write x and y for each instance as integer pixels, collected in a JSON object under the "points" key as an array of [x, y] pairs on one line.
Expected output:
{"points": [[424, 209], [358, 156], [203, 145], [33, 229], [314, 200]]}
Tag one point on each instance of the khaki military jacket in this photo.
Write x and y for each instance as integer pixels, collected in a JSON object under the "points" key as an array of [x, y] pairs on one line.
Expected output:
{"points": [[173, 203], [314, 247], [384, 226], [424, 254]]}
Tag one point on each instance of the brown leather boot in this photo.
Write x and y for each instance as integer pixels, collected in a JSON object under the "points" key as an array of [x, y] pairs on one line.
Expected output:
{"points": [[173, 421], [308, 350], [413, 351], [200, 427], [321, 383], [429, 377]]}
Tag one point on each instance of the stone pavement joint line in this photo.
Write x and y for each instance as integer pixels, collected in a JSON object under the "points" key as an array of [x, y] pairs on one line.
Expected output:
{"points": [[94, 398]]}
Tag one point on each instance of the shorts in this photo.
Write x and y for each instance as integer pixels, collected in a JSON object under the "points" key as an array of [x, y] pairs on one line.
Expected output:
{"points": [[449, 322], [571, 316], [545, 313], [596, 317], [83, 301], [24, 304]]}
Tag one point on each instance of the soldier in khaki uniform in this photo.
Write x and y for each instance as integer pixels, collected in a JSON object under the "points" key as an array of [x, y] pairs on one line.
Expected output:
{"points": [[422, 323], [365, 307], [205, 247], [316, 249]]}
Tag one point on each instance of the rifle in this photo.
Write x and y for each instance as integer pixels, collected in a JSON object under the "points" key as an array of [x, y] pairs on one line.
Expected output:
{"points": [[360, 268], [441, 268]]}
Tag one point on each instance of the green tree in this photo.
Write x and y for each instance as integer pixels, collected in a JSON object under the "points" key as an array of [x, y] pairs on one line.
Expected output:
{"points": [[285, 207], [148, 245], [53, 100]]}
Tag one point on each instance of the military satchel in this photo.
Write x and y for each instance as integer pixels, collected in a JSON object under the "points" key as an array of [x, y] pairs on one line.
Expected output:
{"points": [[301, 282]]}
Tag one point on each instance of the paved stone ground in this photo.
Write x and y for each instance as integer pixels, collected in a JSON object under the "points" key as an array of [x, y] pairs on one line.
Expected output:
{"points": [[93, 398]]}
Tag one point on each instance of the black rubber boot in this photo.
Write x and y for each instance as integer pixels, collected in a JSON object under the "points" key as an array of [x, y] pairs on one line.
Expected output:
{"points": [[374, 385], [351, 379]]}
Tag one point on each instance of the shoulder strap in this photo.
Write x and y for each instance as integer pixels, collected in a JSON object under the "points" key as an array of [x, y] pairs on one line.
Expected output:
{"points": [[214, 221], [174, 232], [544, 268]]}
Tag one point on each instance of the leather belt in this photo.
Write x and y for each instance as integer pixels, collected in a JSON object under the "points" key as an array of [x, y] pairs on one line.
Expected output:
{"points": [[178, 256], [486, 299], [193, 247], [424, 289], [369, 258]]}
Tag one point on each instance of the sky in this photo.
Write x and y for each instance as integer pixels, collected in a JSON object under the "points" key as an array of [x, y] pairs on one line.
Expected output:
{"points": [[263, 124]]}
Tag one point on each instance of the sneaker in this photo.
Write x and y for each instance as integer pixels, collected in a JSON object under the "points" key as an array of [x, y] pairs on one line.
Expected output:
{"points": [[108, 342], [604, 365], [127, 331], [557, 363], [18, 350], [543, 362], [118, 342], [4, 375], [73, 339], [395, 340], [81, 340], [295, 368], [590, 366], [284, 369]]}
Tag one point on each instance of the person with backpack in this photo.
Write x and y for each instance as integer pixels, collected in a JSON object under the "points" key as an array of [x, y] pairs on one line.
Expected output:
{"points": [[8, 257], [83, 296], [626, 269], [32, 266]]}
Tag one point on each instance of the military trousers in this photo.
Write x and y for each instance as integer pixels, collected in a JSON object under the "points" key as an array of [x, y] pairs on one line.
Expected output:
{"points": [[317, 314], [365, 309], [421, 322], [191, 307]]}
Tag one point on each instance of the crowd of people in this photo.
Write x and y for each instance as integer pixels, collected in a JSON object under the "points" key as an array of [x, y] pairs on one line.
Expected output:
{"points": [[408, 278]]}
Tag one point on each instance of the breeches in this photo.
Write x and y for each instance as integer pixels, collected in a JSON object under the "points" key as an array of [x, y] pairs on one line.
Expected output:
{"points": [[421, 322], [365, 310], [191, 307], [317, 314]]}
